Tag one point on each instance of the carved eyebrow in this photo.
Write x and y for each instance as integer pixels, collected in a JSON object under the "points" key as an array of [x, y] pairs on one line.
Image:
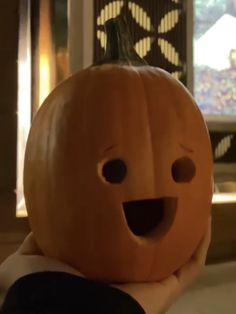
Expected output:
{"points": [[109, 148], [187, 149]]}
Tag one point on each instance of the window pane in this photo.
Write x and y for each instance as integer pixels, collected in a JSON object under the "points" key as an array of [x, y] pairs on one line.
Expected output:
{"points": [[43, 63], [24, 99], [215, 57]]}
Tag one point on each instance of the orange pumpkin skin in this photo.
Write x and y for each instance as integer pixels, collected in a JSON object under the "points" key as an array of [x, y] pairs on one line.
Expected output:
{"points": [[149, 120], [148, 223]]}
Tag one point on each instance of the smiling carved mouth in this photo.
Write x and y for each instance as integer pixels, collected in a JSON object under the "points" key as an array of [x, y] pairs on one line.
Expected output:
{"points": [[151, 216]]}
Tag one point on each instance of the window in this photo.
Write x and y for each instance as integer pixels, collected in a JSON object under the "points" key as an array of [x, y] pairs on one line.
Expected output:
{"points": [[215, 58], [214, 50], [43, 62]]}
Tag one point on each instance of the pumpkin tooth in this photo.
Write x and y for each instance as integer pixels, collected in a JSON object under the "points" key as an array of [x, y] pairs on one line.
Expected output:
{"points": [[150, 216]]}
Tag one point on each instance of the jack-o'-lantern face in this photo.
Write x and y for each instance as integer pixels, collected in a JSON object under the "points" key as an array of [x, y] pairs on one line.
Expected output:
{"points": [[119, 183], [142, 159], [154, 216]]}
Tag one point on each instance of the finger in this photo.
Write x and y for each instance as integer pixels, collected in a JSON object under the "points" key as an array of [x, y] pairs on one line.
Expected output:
{"points": [[29, 246], [158, 297], [188, 273]]}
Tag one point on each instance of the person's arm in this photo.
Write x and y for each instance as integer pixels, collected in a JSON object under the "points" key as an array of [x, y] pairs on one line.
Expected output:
{"points": [[154, 298], [58, 292]]}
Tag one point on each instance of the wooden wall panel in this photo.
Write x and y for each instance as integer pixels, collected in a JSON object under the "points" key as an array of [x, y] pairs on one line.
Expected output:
{"points": [[8, 91], [7, 151], [9, 26]]}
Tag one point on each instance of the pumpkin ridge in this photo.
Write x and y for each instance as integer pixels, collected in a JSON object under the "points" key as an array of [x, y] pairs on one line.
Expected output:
{"points": [[149, 123]]}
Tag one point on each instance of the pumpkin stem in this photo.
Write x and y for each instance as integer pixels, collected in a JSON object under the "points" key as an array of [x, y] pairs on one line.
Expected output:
{"points": [[119, 48]]}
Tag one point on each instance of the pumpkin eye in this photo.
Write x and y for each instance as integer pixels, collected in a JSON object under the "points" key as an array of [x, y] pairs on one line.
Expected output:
{"points": [[114, 171], [183, 170]]}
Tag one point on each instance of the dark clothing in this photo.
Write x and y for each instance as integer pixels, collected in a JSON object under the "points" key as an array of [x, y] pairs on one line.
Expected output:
{"points": [[62, 293]]}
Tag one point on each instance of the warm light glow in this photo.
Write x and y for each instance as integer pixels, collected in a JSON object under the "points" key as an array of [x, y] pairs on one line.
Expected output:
{"points": [[21, 209], [224, 198], [44, 77], [23, 105], [24, 121], [46, 62]]}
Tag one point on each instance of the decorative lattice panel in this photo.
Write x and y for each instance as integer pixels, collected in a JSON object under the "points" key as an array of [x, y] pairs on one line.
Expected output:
{"points": [[224, 147], [158, 28]]}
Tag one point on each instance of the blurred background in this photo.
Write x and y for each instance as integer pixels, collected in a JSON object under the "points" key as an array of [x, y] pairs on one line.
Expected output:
{"points": [[44, 41]]}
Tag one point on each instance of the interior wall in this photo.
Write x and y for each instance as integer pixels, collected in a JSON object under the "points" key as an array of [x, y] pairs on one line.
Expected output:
{"points": [[8, 109]]}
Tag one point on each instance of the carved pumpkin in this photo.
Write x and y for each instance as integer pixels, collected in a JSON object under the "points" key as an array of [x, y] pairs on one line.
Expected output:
{"points": [[118, 169]]}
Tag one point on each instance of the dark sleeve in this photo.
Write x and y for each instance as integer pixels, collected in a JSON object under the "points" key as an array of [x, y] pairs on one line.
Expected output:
{"points": [[62, 293]]}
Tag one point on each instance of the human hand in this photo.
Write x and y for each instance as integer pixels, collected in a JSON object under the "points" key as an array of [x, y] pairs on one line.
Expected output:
{"points": [[156, 298], [26, 260]]}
